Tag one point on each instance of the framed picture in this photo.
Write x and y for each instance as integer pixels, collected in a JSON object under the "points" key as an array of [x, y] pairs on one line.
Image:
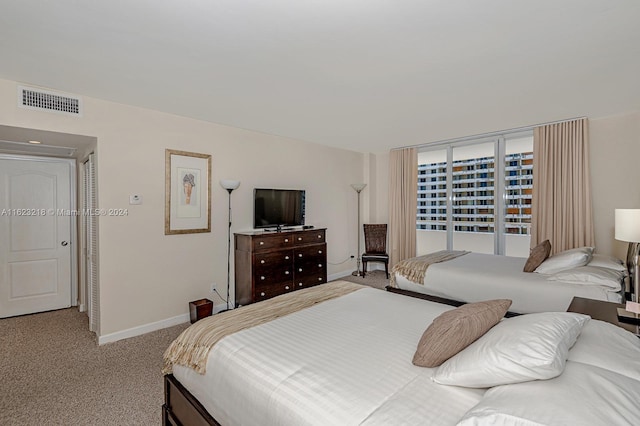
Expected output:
{"points": [[187, 188]]}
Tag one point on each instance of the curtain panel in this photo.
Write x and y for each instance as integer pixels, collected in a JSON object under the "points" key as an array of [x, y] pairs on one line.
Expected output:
{"points": [[561, 208], [403, 204]]}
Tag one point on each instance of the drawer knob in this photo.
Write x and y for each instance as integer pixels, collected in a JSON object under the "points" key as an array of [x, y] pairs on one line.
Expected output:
{"points": [[300, 255], [299, 269], [319, 265], [299, 238], [262, 261], [286, 287], [320, 251], [262, 294], [286, 272], [299, 284], [262, 277], [286, 240], [261, 243], [319, 235], [286, 258], [319, 278]]}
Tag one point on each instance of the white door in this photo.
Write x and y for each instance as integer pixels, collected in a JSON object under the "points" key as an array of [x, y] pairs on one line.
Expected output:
{"points": [[35, 235]]}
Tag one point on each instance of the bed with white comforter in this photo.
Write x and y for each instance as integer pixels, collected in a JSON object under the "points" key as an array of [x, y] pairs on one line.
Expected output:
{"points": [[348, 361], [477, 276]]}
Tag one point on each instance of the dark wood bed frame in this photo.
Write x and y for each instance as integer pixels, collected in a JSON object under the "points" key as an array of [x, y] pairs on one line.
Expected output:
{"points": [[181, 408]]}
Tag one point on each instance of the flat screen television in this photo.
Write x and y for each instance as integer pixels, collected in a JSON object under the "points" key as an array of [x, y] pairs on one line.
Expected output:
{"points": [[278, 208]]}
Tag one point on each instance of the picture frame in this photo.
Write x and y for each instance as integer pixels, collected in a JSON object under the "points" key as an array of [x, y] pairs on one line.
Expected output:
{"points": [[187, 192]]}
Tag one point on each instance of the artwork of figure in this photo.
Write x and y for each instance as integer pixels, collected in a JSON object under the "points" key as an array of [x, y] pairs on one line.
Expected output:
{"points": [[189, 182]]}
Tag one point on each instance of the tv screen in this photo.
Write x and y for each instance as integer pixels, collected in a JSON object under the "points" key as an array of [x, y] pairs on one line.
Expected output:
{"points": [[278, 207]]}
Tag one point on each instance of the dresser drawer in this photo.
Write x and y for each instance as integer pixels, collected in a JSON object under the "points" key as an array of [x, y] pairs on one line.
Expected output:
{"points": [[263, 292], [267, 262], [305, 281], [271, 273], [272, 241], [309, 253], [308, 237]]}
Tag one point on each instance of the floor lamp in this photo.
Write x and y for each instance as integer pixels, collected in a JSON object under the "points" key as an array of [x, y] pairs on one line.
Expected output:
{"points": [[627, 228], [229, 185], [358, 187]]}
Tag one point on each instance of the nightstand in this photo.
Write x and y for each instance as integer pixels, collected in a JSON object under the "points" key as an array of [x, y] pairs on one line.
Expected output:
{"points": [[601, 310]]}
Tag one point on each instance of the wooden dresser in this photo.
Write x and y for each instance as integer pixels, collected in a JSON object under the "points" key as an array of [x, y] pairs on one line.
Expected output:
{"points": [[268, 264]]}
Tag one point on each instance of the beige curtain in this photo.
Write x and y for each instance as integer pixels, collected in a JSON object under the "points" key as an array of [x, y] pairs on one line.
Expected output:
{"points": [[561, 204], [403, 203]]}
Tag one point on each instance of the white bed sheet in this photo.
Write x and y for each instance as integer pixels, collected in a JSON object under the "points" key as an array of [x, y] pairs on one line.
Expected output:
{"points": [[477, 276], [253, 378]]}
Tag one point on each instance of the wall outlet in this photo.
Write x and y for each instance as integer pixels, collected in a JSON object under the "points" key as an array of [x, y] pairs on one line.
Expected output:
{"points": [[214, 287]]}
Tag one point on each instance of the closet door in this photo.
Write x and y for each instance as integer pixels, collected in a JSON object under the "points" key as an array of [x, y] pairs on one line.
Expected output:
{"points": [[91, 247]]}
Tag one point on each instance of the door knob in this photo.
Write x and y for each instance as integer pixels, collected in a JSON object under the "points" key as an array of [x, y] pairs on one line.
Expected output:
{"points": [[64, 243]]}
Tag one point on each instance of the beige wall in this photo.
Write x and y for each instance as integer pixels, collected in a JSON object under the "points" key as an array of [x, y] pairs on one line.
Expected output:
{"points": [[615, 155], [147, 277]]}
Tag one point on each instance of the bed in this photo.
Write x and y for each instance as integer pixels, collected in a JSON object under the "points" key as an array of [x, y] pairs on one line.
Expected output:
{"points": [[470, 277], [347, 360]]}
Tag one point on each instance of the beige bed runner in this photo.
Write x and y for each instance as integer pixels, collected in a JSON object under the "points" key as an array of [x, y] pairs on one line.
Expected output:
{"points": [[191, 348], [414, 269]]}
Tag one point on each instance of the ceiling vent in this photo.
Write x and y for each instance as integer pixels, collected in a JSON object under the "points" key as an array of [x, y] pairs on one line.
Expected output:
{"points": [[45, 100]]}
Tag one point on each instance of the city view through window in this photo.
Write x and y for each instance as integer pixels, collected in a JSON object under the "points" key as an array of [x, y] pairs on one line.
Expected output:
{"points": [[475, 194]]}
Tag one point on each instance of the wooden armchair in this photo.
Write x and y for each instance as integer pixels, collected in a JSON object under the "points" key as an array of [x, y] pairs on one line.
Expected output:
{"points": [[375, 246]]}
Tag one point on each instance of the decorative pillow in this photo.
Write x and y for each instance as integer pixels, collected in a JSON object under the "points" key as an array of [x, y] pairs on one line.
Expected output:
{"points": [[608, 262], [454, 330], [538, 254], [582, 395], [566, 260], [518, 349], [590, 275]]}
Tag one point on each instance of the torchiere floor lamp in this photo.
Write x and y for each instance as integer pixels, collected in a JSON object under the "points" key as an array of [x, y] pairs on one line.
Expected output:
{"points": [[229, 185], [358, 187]]}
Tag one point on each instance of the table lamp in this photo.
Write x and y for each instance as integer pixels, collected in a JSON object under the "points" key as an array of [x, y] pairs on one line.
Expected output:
{"points": [[627, 225]]}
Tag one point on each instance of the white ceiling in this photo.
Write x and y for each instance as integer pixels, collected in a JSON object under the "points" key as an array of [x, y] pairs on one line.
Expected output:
{"points": [[366, 75]]}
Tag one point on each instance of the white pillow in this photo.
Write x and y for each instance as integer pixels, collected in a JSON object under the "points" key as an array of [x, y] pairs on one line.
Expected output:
{"points": [[582, 395], [566, 260], [590, 275], [518, 349], [602, 261]]}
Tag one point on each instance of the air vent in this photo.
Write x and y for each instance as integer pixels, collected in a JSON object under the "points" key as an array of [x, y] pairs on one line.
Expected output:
{"points": [[44, 100]]}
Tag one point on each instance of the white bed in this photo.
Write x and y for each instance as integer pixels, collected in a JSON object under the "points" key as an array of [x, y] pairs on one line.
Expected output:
{"points": [[348, 361], [476, 276]]}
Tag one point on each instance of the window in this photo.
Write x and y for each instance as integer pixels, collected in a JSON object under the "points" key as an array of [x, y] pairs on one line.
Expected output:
{"points": [[483, 188]]}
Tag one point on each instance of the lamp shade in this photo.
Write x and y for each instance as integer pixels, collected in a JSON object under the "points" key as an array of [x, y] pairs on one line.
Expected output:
{"points": [[628, 225], [358, 186], [229, 184]]}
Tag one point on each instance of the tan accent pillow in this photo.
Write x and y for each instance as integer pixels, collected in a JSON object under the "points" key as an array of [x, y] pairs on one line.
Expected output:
{"points": [[454, 330], [538, 255]]}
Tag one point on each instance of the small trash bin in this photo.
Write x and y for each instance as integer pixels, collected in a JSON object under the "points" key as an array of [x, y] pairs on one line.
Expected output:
{"points": [[199, 309]]}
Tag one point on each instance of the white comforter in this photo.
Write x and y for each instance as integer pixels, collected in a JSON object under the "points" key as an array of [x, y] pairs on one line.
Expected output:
{"points": [[347, 361], [476, 276]]}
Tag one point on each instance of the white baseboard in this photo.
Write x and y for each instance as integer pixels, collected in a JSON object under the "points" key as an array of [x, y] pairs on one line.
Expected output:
{"points": [[148, 328], [372, 267], [143, 329], [338, 275]]}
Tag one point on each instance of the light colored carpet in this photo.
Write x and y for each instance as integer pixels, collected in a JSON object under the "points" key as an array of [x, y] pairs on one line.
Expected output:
{"points": [[52, 372], [375, 278]]}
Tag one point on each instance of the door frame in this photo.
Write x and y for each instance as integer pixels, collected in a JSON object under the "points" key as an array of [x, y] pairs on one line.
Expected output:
{"points": [[73, 195]]}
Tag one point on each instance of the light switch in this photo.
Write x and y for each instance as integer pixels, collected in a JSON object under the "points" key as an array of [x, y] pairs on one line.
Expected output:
{"points": [[135, 199]]}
